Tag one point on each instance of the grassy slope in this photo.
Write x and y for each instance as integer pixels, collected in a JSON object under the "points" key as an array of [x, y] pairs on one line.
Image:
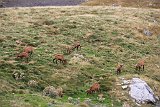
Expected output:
{"points": [[116, 37], [126, 3]]}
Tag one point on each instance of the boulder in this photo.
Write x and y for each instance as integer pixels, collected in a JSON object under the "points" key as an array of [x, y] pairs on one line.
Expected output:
{"points": [[140, 91]]}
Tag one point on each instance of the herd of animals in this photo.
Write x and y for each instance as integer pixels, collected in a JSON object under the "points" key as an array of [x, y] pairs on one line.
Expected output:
{"points": [[28, 51]]}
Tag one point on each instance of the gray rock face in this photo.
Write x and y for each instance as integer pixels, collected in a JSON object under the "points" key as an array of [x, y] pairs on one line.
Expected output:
{"points": [[30, 3], [140, 91]]}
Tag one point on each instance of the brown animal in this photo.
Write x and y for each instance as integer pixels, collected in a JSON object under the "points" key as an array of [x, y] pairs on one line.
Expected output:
{"points": [[69, 49], [119, 69], [77, 45], [94, 88], [28, 49], [23, 55], [140, 65], [59, 57]]}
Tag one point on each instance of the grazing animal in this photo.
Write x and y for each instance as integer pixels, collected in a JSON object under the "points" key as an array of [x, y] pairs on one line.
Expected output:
{"points": [[77, 45], [119, 69], [59, 57], [23, 55], [28, 49], [94, 88], [140, 65], [69, 49]]}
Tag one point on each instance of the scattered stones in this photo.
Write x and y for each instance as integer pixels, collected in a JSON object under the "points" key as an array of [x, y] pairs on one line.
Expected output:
{"points": [[87, 101], [126, 104], [80, 56], [74, 101]]}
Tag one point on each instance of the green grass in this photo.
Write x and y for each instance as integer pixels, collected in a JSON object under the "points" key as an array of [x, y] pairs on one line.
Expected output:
{"points": [[114, 40]]}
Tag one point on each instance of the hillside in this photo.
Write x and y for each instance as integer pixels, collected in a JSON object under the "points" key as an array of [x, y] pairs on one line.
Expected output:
{"points": [[108, 36], [125, 3]]}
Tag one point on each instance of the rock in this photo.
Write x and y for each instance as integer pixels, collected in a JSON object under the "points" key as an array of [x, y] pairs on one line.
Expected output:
{"points": [[32, 83], [80, 56], [140, 91], [138, 104], [118, 84], [70, 100], [126, 82], [77, 101], [126, 104], [124, 87], [147, 32], [50, 91], [157, 65], [157, 98], [121, 78], [100, 98], [50, 105], [87, 101]]}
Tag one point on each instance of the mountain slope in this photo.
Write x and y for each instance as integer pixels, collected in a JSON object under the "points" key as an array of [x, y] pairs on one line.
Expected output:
{"points": [[108, 36]]}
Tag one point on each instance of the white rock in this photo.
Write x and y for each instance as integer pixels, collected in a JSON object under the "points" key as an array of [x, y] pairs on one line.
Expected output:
{"points": [[118, 84], [124, 87], [140, 91], [126, 82]]}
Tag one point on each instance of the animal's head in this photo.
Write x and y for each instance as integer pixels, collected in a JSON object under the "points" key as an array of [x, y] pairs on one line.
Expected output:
{"points": [[135, 65], [18, 55], [88, 91], [121, 65]]}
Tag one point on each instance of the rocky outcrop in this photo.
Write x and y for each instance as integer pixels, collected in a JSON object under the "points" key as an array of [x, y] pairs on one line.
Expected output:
{"points": [[140, 91]]}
